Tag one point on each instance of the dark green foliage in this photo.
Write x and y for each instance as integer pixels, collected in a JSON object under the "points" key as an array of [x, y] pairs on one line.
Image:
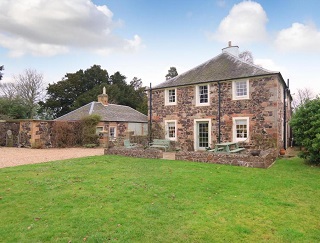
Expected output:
{"points": [[63, 94], [12, 109], [89, 124], [80, 88], [305, 124], [172, 72], [1, 69]]}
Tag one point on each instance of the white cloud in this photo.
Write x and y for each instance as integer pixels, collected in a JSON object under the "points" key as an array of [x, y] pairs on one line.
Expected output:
{"points": [[244, 24], [269, 64], [299, 37], [42, 27]]}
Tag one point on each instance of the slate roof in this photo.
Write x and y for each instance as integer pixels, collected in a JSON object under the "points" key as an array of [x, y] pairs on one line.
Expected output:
{"points": [[109, 113], [222, 67]]}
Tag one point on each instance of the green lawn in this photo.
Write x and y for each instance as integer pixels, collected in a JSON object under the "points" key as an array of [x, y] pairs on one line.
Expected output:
{"points": [[119, 199]]}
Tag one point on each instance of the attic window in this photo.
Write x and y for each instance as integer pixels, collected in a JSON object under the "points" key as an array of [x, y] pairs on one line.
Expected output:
{"points": [[202, 94], [240, 89]]}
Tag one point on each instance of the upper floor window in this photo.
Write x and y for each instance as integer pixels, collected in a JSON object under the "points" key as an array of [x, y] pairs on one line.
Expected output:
{"points": [[171, 130], [171, 97], [202, 94], [240, 89]]}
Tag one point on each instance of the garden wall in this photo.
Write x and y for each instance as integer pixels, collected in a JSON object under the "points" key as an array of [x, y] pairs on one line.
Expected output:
{"points": [[265, 160], [135, 152]]}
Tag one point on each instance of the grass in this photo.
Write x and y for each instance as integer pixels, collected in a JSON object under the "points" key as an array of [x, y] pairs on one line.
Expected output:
{"points": [[119, 199]]}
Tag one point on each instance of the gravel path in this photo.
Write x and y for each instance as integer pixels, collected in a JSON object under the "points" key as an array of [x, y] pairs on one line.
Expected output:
{"points": [[20, 156]]}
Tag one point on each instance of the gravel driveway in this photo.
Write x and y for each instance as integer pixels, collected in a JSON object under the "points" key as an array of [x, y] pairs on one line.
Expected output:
{"points": [[20, 156]]}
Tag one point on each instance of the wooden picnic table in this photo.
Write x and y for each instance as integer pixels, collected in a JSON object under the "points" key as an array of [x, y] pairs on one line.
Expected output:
{"points": [[228, 147]]}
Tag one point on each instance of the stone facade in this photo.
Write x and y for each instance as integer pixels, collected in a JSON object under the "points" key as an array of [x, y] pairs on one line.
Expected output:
{"points": [[264, 109]]}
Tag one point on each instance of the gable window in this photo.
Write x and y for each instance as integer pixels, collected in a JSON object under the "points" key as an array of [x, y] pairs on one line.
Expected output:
{"points": [[112, 133], [202, 94], [240, 89], [240, 128], [171, 97], [171, 130]]}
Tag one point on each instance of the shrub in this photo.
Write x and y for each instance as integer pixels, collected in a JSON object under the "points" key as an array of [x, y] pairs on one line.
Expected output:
{"points": [[305, 124], [66, 134], [89, 124]]}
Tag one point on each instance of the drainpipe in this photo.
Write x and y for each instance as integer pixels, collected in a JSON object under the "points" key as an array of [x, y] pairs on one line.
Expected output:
{"points": [[285, 115], [219, 115], [150, 112]]}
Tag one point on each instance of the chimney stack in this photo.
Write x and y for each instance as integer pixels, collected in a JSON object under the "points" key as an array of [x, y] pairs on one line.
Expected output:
{"points": [[233, 50], [103, 98]]}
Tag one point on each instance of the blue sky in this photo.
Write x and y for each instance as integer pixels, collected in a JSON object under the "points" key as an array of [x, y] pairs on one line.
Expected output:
{"points": [[144, 38]]}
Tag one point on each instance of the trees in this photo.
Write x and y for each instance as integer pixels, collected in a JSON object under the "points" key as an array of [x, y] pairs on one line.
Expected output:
{"points": [[83, 87], [302, 96], [246, 56], [172, 72], [71, 92], [305, 124], [24, 95], [30, 89], [1, 69]]}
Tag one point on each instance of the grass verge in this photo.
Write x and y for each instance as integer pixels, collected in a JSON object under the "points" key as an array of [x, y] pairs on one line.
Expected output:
{"points": [[119, 199]]}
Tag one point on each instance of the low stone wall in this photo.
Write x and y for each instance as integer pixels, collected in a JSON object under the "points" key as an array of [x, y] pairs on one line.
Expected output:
{"points": [[135, 152], [264, 160]]}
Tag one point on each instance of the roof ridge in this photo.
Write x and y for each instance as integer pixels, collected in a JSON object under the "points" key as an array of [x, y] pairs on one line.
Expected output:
{"points": [[75, 110]]}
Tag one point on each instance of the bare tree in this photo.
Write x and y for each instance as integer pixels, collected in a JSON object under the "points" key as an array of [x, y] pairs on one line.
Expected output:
{"points": [[302, 96], [246, 56], [30, 88], [8, 90]]}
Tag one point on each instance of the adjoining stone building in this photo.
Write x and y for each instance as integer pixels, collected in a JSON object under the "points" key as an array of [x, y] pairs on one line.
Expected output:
{"points": [[222, 100], [116, 120]]}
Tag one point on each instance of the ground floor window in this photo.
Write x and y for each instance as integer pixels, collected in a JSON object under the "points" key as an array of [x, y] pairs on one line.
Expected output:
{"points": [[112, 132], [99, 130], [171, 130], [240, 128]]}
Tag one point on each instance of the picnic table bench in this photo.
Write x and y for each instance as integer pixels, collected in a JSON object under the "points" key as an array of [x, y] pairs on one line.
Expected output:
{"points": [[228, 147], [160, 143], [128, 144]]}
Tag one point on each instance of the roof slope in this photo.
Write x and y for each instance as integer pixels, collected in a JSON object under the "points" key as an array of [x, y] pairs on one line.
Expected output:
{"points": [[110, 113], [222, 67]]}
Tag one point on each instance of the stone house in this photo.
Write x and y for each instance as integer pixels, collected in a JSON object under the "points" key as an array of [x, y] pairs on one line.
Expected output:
{"points": [[222, 100], [116, 120]]}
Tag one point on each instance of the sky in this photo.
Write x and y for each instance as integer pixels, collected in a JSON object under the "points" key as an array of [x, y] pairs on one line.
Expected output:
{"points": [[144, 38]]}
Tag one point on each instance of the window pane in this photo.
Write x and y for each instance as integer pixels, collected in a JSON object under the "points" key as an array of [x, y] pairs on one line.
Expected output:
{"points": [[171, 129], [241, 129], [203, 94], [203, 134], [241, 88], [172, 95], [112, 132]]}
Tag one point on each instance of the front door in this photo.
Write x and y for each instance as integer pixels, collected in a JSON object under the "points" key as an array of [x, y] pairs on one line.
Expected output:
{"points": [[203, 135]]}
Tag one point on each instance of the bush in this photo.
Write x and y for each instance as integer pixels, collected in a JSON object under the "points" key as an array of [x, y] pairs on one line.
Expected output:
{"points": [[305, 125], [89, 124]]}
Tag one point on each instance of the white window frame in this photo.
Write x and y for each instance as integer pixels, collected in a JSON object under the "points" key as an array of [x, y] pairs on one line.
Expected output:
{"points": [[167, 129], [115, 132], [198, 95], [98, 128], [195, 132], [167, 96], [235, 96], [234, 129]]}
